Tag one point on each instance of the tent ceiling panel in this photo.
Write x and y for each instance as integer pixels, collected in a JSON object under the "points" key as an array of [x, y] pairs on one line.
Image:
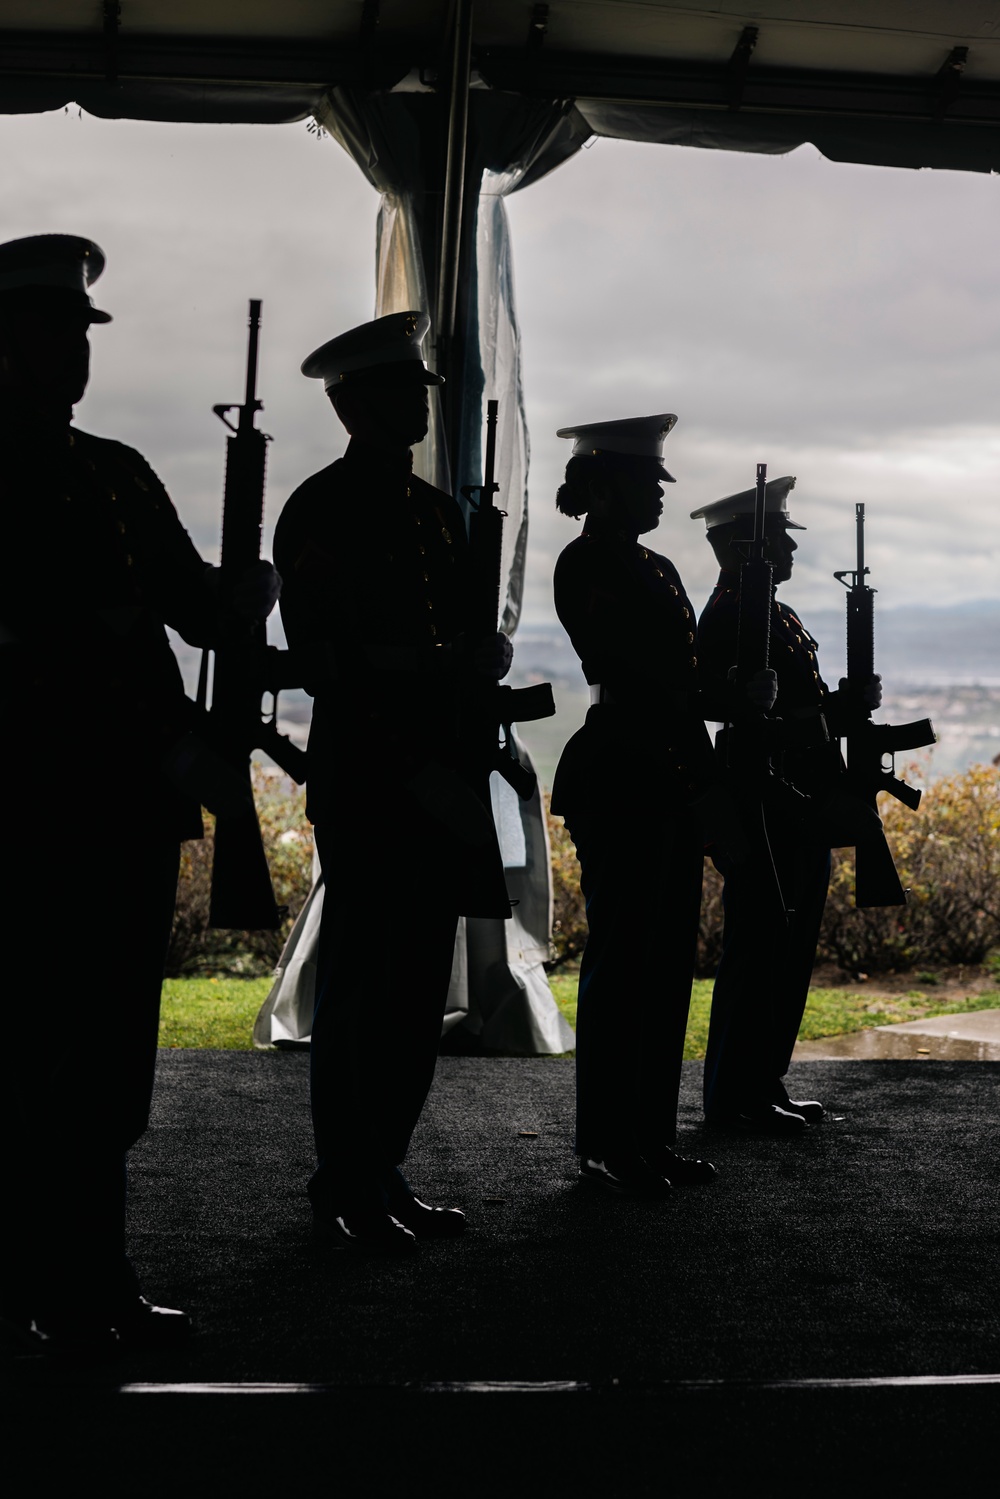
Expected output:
{"points": [[709, 72]]}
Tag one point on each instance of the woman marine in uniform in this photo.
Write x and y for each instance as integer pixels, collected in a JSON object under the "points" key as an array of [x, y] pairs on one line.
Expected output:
{"points": [[637, 786]]}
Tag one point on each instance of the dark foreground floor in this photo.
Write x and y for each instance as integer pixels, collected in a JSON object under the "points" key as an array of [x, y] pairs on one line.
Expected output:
{"points": [[568, 1341]]}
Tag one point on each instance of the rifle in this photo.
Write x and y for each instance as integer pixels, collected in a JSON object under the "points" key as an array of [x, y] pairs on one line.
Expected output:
{"points": [[749, 741], [869, 745], [495, 709], [246, 669]]}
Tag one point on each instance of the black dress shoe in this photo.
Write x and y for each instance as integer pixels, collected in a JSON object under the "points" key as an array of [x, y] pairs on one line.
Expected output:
{"points": [[679, 1170], [366, 1232], [421, 1219], [139, 1324], [625, 1175], [769, 1119], [811, 1109]]}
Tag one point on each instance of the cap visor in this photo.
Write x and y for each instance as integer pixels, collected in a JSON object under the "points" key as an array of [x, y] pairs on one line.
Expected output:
{"points": [[97, 316], [664, 475]]}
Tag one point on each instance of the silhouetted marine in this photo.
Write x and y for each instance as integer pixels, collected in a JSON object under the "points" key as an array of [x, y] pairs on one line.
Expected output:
{"points": [[376, 570], [98, 563], [634, 786], [763, 978]]}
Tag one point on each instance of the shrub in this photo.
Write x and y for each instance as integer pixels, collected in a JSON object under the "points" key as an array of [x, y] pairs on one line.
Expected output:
{"points": [[948, 857], [196, 948], [569, 918]]}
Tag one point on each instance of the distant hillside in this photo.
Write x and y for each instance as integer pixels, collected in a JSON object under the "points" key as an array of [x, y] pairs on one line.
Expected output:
{"points": [[922, 645], [915, 645]]}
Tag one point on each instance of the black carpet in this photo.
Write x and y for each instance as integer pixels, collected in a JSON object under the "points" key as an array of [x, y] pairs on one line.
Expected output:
{"points": [[867, 1250]]}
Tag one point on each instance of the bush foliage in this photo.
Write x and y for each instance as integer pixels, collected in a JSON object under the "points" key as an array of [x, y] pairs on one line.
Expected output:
{"points": [[196, 948], [948, 857]]}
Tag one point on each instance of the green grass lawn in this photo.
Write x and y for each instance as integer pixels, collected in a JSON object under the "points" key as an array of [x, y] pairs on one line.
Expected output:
{"points": [[211, 1014], [829, 1012], [218, 1014]]}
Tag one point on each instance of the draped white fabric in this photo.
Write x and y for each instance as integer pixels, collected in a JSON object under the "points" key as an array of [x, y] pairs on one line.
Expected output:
{"points": [[499, 994]]}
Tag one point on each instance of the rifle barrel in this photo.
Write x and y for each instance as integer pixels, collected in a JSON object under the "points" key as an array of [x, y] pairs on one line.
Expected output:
{"points": [[489, 467], [250, 404]]}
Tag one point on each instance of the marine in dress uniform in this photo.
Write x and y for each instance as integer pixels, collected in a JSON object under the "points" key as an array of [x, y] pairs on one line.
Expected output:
{"points": [[763, 978], [98, 562], [635, 786], [375, 599]]}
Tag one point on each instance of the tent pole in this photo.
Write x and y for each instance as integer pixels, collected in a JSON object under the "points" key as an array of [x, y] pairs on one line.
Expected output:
{"points": [[454, 184]]}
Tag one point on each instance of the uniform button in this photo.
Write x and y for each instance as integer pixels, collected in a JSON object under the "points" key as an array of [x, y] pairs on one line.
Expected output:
{"points": [[659, 572], [422, 551], [129, 561], [694, 660], [433, 630], [429, 604], [687, 613], [408, 493], [675, 590], [446, 534], [121, 528], [425, 577], [690, 638], [140, 485], [815, 676]]}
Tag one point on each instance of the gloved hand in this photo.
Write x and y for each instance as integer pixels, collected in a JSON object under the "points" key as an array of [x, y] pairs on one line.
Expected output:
{"points": [[253, 594], [722, 822], [870, 692], [492, 658], [762, 690]]}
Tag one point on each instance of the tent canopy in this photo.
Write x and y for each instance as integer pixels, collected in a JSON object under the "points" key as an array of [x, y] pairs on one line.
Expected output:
{"points": [[896, 82]]}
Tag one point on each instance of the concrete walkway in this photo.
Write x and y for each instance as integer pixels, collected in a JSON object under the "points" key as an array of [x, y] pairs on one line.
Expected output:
{"points": [[972, 1037]]}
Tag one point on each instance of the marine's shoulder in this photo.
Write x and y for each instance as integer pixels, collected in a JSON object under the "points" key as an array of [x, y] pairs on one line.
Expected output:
{"points": [[582, 554], [319, 484], [429, 496], [109, 456], [723, 601]]}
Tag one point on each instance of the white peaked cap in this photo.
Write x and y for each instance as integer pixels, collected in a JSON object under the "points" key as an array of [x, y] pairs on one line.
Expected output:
{"points": [[57, 263], [634, 437], [373, 348], [721, 512]]}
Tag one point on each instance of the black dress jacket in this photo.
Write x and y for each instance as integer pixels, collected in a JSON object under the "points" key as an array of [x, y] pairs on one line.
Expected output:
{"points": [[813, 714], [98, 563], [633, 627]]}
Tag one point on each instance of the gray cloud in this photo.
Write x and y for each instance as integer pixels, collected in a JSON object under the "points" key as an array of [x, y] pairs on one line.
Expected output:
{"points": [[841, 323]]}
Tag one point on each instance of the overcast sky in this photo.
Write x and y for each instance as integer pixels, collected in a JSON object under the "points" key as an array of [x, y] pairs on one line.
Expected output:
{"points": [[841, 323]]}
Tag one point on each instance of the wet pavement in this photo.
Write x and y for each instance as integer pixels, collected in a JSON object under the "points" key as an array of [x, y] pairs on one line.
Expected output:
{"points": [[972, 1037]]}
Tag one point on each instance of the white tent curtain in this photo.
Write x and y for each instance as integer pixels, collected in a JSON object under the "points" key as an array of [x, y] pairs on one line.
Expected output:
{"points": [[499, 997]]}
